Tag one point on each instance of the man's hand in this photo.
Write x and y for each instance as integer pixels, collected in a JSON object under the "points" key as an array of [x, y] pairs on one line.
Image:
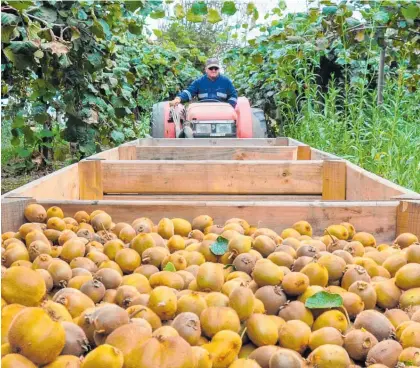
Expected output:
{"points": [[175, 101]]}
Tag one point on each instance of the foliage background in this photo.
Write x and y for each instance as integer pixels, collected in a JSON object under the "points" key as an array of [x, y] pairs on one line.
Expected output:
{"points": [[81, 76]]}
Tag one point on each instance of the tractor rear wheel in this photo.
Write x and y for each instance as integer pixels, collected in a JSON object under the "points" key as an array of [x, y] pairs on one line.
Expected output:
{"points": [[158, 120], [259, 124]]}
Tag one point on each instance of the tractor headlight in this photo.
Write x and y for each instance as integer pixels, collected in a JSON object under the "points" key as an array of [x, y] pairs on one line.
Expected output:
{"points": [[203, 128]]}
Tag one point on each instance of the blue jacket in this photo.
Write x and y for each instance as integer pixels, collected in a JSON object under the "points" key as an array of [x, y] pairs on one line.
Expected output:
{"points": [[220, 89]]}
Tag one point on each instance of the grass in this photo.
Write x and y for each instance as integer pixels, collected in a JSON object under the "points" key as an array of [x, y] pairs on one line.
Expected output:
{"points": [[382, 139]]}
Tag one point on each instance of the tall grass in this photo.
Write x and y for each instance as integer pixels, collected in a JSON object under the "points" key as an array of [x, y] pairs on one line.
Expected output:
{"points": [[348, 122]]}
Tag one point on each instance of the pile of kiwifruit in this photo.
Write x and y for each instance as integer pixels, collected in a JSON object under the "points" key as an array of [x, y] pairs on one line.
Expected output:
{"points": [[86, 292]]}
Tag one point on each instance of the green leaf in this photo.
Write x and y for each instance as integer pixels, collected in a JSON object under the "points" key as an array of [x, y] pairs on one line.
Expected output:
{"points": [[81, 14], [33, 30], [199, 8], [7, 33], [191, 17], [158, 32], [282, 4], [98, 30], [229, 8], [23, 152], [329, 10], [381, 17], [23, 47], [22, 5], [250, 8], [230, 265], [47, 14], [135, 28], [133, 5], [213, 16], [18, 121], [169, 267], [323, 299], [158, 14], [179, 11], [118, 137], [45, 133], [410, 12], [8, 19], [220, 246]]}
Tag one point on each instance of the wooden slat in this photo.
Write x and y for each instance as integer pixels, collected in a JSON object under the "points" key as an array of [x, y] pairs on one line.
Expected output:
{"points": [[127, 152], [111, 154], [233, 142], [213, 153], [209, 197], [12, 210], [408, 218], [303, 152], [334, 180], [213, 177], [378, 218], [61, 184], [90, 177]]}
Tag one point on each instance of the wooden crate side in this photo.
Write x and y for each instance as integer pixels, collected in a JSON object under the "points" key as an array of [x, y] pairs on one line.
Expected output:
{"points": [[214, 153], [12, 213], [213, 177], [128, 152], [210, 197], [111, 154], [334, 180], [90, 178], [378, 218], [232, 142], [408, 218], [61, 184], [304, 152]]}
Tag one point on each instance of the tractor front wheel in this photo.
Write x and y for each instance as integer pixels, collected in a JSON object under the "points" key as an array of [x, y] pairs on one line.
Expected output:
{"points": [[158, 120], [259, 124]]}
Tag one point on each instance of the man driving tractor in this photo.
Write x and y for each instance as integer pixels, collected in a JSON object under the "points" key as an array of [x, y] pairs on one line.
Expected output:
{"points": [[210, 87]]}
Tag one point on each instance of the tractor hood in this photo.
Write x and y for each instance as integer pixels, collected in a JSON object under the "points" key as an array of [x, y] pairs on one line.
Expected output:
{"points": [[211, 111]]}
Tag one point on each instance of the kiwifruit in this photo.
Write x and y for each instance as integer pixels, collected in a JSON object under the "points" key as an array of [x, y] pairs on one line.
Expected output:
{"points": [[42, 261], [35, 213], [335, 266], [261, 330], [410, 337], [292, 242], [388, 294], [338, 231], [294, 335], [413, 253], [264, 244], [56, 223], [188, 326], [354, 274], [404, 240], [366, 292], [376, 323], [76, 282], [102, 221], [147, 270], [281, 259], [350, 228], [112, 247], [358, 343], [193, 302], [331, 318], [216, 299], [325, 335], [317, 274], [408, 276], [416, 316], [167, 278], [76, 341], [163, 302], [179, 262], [85, 263], [22, 263], [72, 248], [65, 236], [367, 239], [267, 273], [410, 356], [215, 319], [263, 354], [98, 258], [329, 356], [290, 233], [310, 290], [242, 301], [127, 234], [140, 282], [140, 311], [210, 277], [128, 259], [8, 313], [296, 310], [272, 297], [396, 316], [13, 254], [353, 304], [224, 348], [401, 327], [201, 222], [74, 301], [16, 361], [301, 262], [118, 227], [60, 271], [410, 298], [104, 355], [385, 352], [346, 256], [49, 283], [244, 363], [154, 256], [94, 289], [394, 262]]}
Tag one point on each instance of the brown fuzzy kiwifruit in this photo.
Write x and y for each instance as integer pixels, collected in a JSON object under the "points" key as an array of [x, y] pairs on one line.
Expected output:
{"points": [[108, 317], [307, 251], [338, 231], [396, 316], [35, 213], [272, 297], [167, 278], [72, 248], [109, 296], [410, 337], [331, 318], [295, 283], [404, 240], [102, 221], [261, 330], [140, 311], [288, 249], [326, 356], [317, 274], [300, 263], [42, 261], [179, 262], [267, 273], [264, 244], [325, 335], [94, 289], [210, 277], [281, 259], [16, 361], [74, 300], [83, 262], [76, 341], [241, 300], [109, 277], [193, 302], [376, 323], [413, 253], [410, 298], [215, 319], [411, 356], [112, 247], [358, 343], [296, 310], [147, 270], [125, 294], [128, 259], [416, 316], [56, 223], [408, 276], [66, 235], [388, 294], [244, 262], [163, 302], [37, 248], [142, 299], [60, 271], [165, 228], [294, 335], [353, 274], [13, 254], [154, 256], [355, 248], [263, 354], [201, 222], [366, 292], [188, 326], [385, 352], [353, 304], [335, 266], [346, 256], [127, 234], [216, 299], [394, 262], [286, 358]]}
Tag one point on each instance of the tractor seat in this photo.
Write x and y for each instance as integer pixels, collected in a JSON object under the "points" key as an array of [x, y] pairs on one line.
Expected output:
{"points": [[211, 111]]}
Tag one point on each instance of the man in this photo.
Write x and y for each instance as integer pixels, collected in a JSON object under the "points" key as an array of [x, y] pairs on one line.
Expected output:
{"points": [[210, 87]]}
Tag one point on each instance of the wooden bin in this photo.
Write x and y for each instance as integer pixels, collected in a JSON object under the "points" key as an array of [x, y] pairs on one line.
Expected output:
{"points": [[269, 182]]}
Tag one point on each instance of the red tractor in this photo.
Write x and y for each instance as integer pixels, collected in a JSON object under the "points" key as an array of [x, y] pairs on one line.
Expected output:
{"points": [[207, 120]]}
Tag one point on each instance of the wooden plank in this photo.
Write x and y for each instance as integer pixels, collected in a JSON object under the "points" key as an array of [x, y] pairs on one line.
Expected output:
{"points": [[235, 142], [334, 180], [294, 142], [213, 153], [111, 154], [90, 177], [408, 218], [209, 197], [12, 210], [213, 177], [127, 152], [61, 184], [378, 218], [303, 152]]}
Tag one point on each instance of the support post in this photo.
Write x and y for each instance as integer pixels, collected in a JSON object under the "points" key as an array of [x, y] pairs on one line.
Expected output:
{"points": [[334, 180], [90, 179], [304, 152], [127, 152]]}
